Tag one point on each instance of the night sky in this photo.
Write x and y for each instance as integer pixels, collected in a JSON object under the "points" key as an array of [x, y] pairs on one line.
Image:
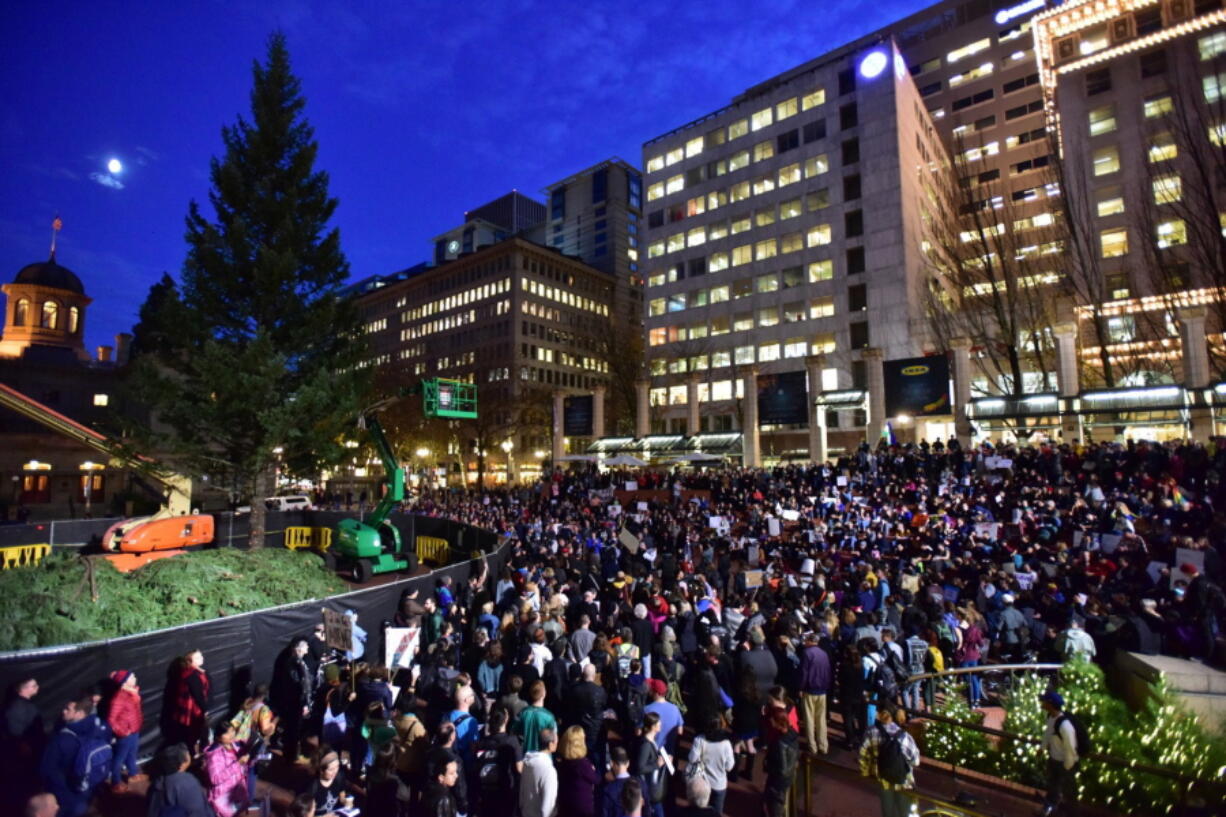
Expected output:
{"points": [[421, 110]]}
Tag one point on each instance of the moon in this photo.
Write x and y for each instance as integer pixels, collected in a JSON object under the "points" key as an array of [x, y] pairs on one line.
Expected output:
{"points": [[114, 166]]}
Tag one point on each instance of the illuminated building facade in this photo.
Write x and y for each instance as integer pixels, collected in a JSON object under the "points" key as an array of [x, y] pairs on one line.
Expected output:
{"points": [[519, 319], [784, 234], [1137, 92]]}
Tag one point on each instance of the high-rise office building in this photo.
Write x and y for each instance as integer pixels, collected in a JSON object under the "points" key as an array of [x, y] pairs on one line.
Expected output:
{"points": [[974, 67], [518, 319], [596, 215], [786, 225], [1137, 89]]}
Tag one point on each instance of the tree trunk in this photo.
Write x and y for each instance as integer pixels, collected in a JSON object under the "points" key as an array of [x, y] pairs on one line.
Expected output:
{"points": [[255, 539]]}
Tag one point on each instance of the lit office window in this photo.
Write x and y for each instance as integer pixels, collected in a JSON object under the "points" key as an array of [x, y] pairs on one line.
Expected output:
{"points": [[1102, 120], [817, 236], [816, 166], [655, 163], [1114, 242], [1211, 45], [813, 99], [696, 236], [1109, 201], [821, 307], [1162, 148], [673, 156], [737, 129], [821, 271], [768, 352], [1172, 233], [764, 249], [792, 242], [1214, 86], [1168, 189], [693, 147], [1106, 160], [760, 119], [968, 50], [655, 191], [785, 109], [790, 209], [789, 175], [1157, 106], [675, 183]]}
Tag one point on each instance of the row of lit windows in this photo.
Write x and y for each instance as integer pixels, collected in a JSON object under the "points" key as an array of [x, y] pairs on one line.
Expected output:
{"points": [[459, 299], [562, 296], [757, 121], [376, 326], [766, 317], [454, 321], [813, 166], [743, 288], [450, 361], [536, 310], [816, 236]]}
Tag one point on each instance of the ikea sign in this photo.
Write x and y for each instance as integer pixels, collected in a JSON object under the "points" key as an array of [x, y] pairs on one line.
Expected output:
{"points": [[1013, 12]]}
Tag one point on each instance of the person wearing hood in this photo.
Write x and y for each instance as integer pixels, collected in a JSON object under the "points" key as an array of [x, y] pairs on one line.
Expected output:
{"points": [[58, 767]]}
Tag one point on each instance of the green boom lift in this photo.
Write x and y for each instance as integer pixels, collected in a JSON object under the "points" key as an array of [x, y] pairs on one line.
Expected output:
{"points": [[373, 545]]}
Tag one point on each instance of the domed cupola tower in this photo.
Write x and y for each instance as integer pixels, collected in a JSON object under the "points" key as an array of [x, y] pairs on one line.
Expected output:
{"points": [[45, 307]]}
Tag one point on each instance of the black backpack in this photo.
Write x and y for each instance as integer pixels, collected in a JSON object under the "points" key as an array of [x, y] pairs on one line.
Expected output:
{"points": [[493, 774], [892, 764], [1085, 746], [881, 681], [636, 702]]}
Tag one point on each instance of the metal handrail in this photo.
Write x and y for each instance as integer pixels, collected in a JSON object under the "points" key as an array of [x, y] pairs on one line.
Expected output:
{"points": [[987, 730], [808, 760], [983, 668]]}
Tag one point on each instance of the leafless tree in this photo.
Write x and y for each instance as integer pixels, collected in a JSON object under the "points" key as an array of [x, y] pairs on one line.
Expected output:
{"points": [[993, 272]]}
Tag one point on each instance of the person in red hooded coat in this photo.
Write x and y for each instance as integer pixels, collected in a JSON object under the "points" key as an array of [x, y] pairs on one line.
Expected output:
{"points": [[125, 719]]}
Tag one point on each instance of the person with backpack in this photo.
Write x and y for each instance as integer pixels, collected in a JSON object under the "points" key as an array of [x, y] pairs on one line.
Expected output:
{"points": [[890, 756], [1065, 740], [782, 759], [1014, 630], [77, 760], [498, 762], [670, 715]]}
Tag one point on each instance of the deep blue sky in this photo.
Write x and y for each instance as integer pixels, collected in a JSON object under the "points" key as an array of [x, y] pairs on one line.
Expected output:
{"points": [[422, 110]]}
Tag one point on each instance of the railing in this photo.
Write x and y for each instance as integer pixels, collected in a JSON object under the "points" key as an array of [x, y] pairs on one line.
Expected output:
{"points": [[923, 714], [804, 782]]}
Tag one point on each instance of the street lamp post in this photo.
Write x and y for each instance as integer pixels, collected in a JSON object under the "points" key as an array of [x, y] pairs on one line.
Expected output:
{"points": [[506, 446]]}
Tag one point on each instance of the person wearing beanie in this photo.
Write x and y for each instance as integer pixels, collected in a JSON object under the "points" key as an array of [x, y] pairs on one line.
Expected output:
{"points": [[1204, 602], [1014, 632], [1075, 641], [671, 719], [125, 718], [1060, 742]]}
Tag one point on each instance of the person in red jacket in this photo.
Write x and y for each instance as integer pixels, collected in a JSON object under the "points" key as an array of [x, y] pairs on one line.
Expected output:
{"points": [[125, 719]]}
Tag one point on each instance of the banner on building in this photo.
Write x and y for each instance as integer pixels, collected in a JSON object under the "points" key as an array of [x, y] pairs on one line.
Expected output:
{"points": [[577, 416], [783, 399], [917, 386]]}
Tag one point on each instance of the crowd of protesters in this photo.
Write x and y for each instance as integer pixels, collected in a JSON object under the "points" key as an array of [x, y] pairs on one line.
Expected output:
{"points": [[634, 658]]}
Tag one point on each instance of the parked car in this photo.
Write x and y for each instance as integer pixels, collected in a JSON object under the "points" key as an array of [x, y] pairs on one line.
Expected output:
{"points": [[293, 502]]}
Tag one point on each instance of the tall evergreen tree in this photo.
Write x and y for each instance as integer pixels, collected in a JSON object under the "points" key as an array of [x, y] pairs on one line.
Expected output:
{"points": [[251, 361]]}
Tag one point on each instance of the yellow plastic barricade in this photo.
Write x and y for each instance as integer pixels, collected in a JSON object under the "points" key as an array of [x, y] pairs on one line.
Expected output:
{"points": [[432, 549], [23, 555], [301, 536]]}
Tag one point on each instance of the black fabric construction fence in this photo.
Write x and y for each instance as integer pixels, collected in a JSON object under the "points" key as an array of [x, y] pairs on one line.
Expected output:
{"points": [[239, 650]]}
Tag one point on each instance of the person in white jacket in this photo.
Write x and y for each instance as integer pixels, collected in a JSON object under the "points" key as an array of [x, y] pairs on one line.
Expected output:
{"points": [[538, 788], [711, 756]]}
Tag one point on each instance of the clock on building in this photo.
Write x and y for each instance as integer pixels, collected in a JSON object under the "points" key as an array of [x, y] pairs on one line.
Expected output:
{"points": [[453, 246]]}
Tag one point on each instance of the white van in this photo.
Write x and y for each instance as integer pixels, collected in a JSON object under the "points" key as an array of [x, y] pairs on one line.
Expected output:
{"points": [[293, 502]]}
